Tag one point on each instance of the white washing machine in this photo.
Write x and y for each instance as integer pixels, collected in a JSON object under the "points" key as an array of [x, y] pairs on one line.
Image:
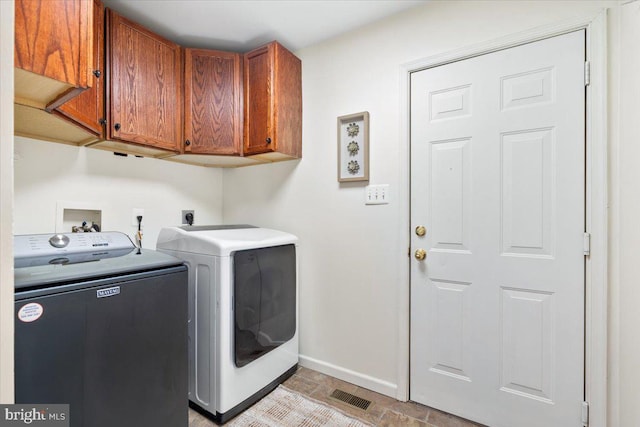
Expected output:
{"points": [[243, 312]]}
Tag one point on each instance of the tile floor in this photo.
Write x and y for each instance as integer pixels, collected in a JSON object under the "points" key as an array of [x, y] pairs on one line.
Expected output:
{"points": [[383, 411]]}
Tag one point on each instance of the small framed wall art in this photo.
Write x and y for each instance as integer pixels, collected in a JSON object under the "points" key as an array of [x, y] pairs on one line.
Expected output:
{"points": [[353, 147]]}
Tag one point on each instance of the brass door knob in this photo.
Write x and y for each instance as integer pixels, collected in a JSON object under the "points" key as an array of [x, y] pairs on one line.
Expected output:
{"points": [[420, 254], [421, 230]]}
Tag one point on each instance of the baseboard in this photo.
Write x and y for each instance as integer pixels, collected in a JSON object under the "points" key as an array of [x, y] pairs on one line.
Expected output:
{"points": [[344, 374]]}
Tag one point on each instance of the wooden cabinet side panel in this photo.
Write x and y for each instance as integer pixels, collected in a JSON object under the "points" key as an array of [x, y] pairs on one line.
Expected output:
{"points": [[288, 102], [258, 107], [213, 102], [145, 80], [52, 38], [88, 108]]}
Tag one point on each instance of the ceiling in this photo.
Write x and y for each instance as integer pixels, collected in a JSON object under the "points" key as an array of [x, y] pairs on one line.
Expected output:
{"points": [[241, 25]]}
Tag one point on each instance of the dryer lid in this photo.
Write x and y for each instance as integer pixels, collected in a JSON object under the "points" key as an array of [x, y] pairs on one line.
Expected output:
{"points": [[221, 240]]}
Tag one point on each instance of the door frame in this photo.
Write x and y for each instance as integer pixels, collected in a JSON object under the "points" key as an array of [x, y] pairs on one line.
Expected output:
{"points": [[596, 215], [7, 18]]}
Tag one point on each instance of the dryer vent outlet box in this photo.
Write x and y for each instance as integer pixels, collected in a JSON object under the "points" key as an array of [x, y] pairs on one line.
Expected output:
{"points": [[188, 215]]}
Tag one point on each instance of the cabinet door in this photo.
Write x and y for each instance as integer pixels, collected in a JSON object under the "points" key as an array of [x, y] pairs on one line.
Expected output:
{"points": [[144, 96], [213, 102], [287, 102], [52, 39], [258, 78], [273, 103], [87, 109]]}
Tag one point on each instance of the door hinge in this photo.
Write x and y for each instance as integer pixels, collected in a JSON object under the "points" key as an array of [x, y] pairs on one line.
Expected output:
{"points": [[585, 413], [587, 244], [587, 73]]}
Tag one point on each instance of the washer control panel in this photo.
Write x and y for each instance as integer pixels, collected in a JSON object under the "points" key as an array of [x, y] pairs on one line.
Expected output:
{"points": [[38, 245]]}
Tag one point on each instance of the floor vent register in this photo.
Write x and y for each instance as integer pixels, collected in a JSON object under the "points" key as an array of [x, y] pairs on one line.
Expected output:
{"points": [[350, 399]]}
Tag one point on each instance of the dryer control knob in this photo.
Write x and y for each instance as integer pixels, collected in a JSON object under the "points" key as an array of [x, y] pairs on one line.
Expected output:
{"points": [[59, 241]]}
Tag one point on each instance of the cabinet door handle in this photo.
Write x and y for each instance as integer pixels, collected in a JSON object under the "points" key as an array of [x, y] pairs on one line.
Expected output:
{"points": [[102, 121], [268, 140], [116, 126], [97, 73], [187, 143]]}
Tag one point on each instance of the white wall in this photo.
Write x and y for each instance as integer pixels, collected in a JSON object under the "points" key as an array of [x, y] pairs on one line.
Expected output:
{"points": [[625, 211], [47, 173], [353, 257], [6, 201]]}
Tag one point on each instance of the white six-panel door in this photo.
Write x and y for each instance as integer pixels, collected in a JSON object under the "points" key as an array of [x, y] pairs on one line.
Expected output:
{"points": [[497, 180]]}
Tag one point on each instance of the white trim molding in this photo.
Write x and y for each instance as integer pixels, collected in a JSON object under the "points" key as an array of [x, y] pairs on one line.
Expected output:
{"points": [[362, 380], [596, 300], [596, 286]]}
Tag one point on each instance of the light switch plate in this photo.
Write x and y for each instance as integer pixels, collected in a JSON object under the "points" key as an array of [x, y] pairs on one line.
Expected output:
{"points": [[376, 194]]}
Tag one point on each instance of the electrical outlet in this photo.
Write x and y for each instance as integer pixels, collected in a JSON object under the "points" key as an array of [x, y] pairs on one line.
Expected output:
{"points": [[134, 216], [376, 194], [184, 216]]}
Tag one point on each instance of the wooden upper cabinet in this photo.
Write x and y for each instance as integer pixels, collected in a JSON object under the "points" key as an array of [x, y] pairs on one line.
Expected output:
{"points": [[144, 86], [53, 51], [213, 102], [272, 103], [87, 109], [112, 84]]}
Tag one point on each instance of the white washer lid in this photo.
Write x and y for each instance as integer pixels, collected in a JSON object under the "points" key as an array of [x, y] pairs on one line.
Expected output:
{"points": [[221, 240]]}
